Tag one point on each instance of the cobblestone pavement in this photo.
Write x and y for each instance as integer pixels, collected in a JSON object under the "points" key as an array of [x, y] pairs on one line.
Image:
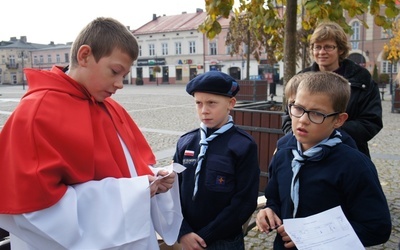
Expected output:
{"points": [[165, 112]]}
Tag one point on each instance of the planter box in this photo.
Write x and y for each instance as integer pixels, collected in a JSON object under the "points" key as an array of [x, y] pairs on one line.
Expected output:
{"points": [[263, 121], [396, 103], [252, 90]]}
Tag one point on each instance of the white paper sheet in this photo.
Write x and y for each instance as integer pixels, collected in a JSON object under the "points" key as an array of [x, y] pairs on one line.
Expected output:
{"points": [[173, 167], [324, 231]]}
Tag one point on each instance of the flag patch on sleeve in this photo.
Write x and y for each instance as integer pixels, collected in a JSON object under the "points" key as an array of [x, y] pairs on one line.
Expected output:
{"points": [[189, 153]]}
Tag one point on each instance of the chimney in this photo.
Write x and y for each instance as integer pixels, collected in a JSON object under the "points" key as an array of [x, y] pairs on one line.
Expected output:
{"points": [[23, 39], [13, 39], [199, 10], [51, 43], [154, 17]]}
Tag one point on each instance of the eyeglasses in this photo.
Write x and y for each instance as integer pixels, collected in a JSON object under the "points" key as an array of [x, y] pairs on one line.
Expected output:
{"points": [[327, 48], [314, 116]]}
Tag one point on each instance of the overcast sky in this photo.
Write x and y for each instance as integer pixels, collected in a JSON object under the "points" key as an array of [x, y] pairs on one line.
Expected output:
{"points": [[42, 21]]}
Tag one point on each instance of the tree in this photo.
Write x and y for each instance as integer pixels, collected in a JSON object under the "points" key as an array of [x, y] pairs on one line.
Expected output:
{"points": [[240, 39], [247, 42], [392, 50], [290, 31], [270, 17]]}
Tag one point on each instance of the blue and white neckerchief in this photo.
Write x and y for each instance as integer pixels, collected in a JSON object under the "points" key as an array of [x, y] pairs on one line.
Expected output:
{"points": [[299, 159], [203, 148]]}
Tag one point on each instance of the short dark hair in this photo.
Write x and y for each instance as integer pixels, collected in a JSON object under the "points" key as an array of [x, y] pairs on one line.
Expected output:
{"points": [[336, 87], [103, 35]]}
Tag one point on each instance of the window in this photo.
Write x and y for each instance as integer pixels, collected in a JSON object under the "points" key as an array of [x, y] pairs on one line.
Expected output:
{"points": [[178, 48], [355, 38], [58, 58], [385, 68], [14, 78], [178, 73], [152, 51], [35, 60], [228, 49], [164, 47], [152, 76], [66, 57], [192, 47], [213, 48], [41, 60], [49, 58], [11, 59], [3, 59], [140, 50]]}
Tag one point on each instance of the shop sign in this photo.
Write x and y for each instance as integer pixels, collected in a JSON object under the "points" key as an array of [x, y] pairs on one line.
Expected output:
{"points": [[150, 62], [187, 61]]}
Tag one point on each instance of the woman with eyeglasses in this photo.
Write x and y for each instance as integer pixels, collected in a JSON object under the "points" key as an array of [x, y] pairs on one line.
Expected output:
{"points": [[329, 48]]}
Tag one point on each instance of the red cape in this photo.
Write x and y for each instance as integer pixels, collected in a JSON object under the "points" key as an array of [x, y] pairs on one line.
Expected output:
{"points": [[59, 136]]}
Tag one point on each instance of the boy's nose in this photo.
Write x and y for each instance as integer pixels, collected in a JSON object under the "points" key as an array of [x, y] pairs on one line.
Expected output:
{"points": [[119, 84]]}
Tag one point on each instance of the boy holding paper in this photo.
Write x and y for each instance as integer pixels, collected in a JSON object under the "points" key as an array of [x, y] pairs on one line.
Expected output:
{"points": [[314, 171], [75, 168]]}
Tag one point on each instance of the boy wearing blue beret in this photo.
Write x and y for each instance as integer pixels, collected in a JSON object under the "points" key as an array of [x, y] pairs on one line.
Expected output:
{"points": [[219, 188]]}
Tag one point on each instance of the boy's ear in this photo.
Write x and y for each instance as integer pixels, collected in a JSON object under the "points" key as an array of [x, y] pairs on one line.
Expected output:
{"points": [[83, 53], [341, 118], [232, 103]]}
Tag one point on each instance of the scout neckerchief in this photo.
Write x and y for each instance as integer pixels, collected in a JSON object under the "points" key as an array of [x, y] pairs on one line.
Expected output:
{"points": [[204, 145], [299, 159]]}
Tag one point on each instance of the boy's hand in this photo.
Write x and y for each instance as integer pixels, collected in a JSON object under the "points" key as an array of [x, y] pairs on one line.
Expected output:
{"points": [[165, 183], [285, 237], [192, 241], [267, 220]]}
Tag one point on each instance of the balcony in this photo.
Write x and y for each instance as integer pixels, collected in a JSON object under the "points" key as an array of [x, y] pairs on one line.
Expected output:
{"points": [[12, 65]]}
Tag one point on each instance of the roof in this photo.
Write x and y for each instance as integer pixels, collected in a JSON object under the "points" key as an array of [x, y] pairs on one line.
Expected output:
{"points": [[18, 44], [172, 23], [182, 22]]}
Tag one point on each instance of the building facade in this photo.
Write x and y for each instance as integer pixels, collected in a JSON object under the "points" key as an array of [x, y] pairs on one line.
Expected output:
{"points": [[172, 50], [17, 54]]}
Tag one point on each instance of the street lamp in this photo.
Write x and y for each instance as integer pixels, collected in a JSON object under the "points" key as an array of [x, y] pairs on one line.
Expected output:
{"points": [[22, 65]]}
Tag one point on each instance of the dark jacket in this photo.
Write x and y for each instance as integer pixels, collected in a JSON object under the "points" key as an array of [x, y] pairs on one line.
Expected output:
{"points": [[228, 184], [364, 108], [327, 182]]}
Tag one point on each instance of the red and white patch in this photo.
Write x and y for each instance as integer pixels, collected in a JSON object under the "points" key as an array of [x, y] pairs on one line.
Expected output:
{"points": [[189, 153]]}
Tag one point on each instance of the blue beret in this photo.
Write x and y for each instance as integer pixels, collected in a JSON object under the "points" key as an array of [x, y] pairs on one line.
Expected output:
{"points": [[214, 82]]}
